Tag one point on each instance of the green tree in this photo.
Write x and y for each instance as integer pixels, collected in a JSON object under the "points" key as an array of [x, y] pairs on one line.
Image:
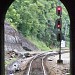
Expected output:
{"points": [[37, 18]]}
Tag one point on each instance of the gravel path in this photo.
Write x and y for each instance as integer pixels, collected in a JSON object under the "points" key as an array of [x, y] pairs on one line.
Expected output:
{"points": [[58, 69]]}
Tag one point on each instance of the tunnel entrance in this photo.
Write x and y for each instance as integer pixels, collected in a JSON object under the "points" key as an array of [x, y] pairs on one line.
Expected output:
{"points": [[71, 30]]}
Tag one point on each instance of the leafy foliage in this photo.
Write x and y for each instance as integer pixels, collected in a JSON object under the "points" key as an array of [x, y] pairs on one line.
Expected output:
{"points": [[37, 18]]}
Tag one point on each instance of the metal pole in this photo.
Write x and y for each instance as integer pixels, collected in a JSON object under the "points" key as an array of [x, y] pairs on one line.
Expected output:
{"points": [[60, 61], [60, 47]]}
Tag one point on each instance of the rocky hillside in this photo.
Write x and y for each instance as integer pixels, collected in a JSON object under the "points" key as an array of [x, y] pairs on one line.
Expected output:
{"points": [[14, 40]]}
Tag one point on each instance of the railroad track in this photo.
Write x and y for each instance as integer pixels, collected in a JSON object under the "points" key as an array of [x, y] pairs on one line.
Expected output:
{"points": [[37, 64]]}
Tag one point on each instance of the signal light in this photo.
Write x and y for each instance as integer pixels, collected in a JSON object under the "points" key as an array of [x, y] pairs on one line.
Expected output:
{"points": [[59, 10], [59, 37], [58, 23], [58, 26]]}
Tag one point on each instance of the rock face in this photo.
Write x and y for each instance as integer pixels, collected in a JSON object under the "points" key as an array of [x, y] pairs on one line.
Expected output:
{"points": [[14, 40]]}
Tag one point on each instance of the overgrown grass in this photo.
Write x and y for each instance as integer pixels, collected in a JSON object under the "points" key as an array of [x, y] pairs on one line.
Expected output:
{"points": [[41, 45]]}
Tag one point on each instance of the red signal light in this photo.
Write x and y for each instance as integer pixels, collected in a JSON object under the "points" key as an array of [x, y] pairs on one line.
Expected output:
{"points": [[58, 23], [59, 10], [58, 26]]}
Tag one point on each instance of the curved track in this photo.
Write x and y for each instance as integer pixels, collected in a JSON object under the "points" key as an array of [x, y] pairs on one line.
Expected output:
{"points": [[37, 66]]}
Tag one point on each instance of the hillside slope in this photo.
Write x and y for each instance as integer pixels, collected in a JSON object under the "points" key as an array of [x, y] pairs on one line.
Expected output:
{"points": [[15, 40]]}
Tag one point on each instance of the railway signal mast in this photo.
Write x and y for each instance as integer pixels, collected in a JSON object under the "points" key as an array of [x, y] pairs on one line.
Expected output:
{"points": [[58, 24]]}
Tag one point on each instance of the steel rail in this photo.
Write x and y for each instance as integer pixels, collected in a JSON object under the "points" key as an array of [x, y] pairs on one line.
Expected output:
{"points": [[43, 55]]}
